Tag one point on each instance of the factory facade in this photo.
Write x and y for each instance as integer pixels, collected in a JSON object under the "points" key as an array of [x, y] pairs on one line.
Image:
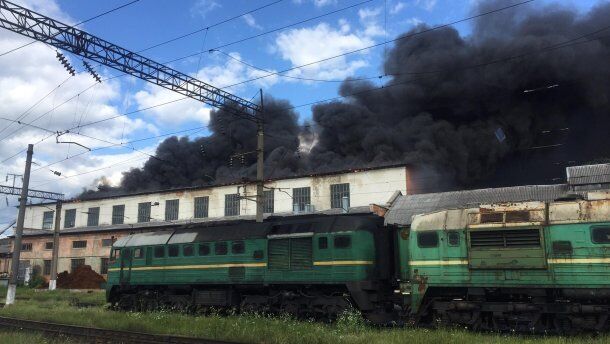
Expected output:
{"points": [[89, 227]]}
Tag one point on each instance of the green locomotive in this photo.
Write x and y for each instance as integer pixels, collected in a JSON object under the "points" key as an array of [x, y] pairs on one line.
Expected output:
{"points": [[309, 266], [527, 266], [531, 266]]}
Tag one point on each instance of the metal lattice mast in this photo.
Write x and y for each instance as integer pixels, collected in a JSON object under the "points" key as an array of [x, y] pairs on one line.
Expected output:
{"points": [[65, 37], [62, 36]]}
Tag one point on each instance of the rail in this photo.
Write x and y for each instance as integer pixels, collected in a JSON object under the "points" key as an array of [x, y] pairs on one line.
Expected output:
{"points": [[99, 335]]}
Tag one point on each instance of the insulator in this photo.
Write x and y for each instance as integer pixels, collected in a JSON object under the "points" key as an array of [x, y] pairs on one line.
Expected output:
{"points": [[92, 71], [64, 61], [231, 162], [243, 160]]}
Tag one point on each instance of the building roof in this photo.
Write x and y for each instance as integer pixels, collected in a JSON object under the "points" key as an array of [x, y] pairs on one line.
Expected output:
{"points": [[588, 174], [241, 182], [404, 207]]}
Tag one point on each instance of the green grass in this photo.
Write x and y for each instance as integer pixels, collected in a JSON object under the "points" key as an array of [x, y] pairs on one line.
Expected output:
{"points": [[57, 307], [22, 337]]}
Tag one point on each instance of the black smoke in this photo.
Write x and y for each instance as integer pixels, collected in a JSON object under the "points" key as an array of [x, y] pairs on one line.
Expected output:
{"points": [[520, 72]]}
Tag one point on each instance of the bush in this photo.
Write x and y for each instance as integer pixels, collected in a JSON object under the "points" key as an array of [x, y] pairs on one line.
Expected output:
{"points": [[36, 279]]}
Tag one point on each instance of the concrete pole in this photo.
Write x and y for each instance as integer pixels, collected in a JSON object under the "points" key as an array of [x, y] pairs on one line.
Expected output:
{"points": [[55, 259], [12, 286], [260, 163]]}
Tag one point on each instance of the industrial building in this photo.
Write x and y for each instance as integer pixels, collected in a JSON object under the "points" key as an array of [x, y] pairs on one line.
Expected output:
{"points": [[89, 227]]}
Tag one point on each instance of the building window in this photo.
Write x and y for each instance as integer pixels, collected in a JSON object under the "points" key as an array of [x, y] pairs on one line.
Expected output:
{"points": [[107, 242], [301, 198], [47, 219], [93, 217], [118, 214], [171, 209], [268, 201], [144, 212], [75, 263], [69, 218], [46, 269], [104, 266], [201, 207], [26, 246], [48, 245], [232, 205], [337, 192], [79, 244]]}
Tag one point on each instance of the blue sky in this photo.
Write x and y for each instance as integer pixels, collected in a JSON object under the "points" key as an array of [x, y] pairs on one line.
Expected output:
{"points": [[32, 72]]}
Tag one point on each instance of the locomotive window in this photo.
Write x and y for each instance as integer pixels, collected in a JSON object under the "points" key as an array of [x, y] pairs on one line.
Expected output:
{"points": [[600, 235], [220, 248], [453, 238], [204, 249], [138, 253], [115, 254], [427, 239], [238, 247], [343, 241], [323, 243], [258, 254], [174, 250], [159, 251], [187, 250]]}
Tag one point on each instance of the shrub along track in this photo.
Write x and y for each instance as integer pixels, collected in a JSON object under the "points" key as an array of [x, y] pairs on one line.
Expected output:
{"points": [[98, 335]]}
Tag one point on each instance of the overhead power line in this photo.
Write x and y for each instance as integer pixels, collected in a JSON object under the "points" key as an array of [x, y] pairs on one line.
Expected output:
{"points": [[382, 43], [75, 25], [210, 26]]}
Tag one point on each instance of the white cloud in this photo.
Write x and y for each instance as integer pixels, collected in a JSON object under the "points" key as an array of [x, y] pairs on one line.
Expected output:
{"points": [[27, 75], [428, 5], [369, 18], [318, 3], [249, 19], [399, 6], [174, 114], [306, 45], [203, 7], [414, 21]]}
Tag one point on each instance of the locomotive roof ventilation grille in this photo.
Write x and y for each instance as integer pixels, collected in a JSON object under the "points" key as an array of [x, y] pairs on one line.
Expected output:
{"points": [[529, 237]]}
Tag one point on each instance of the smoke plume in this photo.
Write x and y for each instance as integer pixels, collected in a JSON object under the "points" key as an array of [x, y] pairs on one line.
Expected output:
{"points": [[513, 102]]}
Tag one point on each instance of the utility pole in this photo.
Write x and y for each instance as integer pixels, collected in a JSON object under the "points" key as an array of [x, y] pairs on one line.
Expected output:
{"points": [[12, 287], [55, 259], [260, 159]]}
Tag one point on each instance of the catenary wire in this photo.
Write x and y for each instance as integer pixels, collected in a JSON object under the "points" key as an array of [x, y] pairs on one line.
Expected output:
{"points": [[77, 24]]}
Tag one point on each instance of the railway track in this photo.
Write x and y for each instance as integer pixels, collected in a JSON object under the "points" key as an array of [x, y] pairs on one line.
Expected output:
{"points": [[98, 335]]}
